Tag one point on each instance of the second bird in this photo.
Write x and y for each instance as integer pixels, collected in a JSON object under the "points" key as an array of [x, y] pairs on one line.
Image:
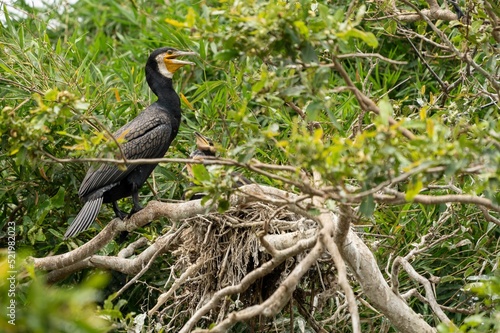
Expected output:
{"points": [[147, 136]]}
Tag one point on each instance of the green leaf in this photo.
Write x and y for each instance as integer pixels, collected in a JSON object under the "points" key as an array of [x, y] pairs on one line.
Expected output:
{"points": [[226, 55], [367, 37], [57, 201], [448, 278], [414, 188], [314, 211], [302, 27], [386, 111], [200, 173], [258, 86], [367, 206], [308, 53], [223, 205], [293, 91], [391, 26]]}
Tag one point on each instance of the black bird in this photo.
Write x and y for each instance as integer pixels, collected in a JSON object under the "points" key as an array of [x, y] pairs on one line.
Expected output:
{"points": [[147, 136]]}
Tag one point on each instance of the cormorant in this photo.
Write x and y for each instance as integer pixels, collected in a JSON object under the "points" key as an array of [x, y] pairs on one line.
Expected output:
{"points": [[147, 136]]}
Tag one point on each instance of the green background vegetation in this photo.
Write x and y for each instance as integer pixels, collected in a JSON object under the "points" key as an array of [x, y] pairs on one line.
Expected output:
{"points": [[68, 69]]}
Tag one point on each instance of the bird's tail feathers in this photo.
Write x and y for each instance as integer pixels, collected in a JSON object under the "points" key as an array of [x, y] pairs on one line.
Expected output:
{"points": [[84, 218]]}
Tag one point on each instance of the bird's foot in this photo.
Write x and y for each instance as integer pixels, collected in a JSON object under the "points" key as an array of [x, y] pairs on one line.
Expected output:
{"points": [[121, 215], [134, 210], [118, 212]]}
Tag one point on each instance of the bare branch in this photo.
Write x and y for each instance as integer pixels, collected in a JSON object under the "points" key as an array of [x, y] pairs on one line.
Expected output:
{"points": [[299, 111], [145, 260], [130, 249], [488, 216], [333, 249], [371, 55], [365, 268], [433, 13], [429, 293], [495, 21], [399, 197], [334, 233], [177, 284], [464, 56]]}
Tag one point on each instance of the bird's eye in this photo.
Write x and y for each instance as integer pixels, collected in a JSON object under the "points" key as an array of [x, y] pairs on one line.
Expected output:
{"points": [[169, 52]]}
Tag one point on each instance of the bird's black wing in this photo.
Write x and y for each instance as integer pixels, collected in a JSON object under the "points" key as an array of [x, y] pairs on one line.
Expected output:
{"points": [[145, 138]]}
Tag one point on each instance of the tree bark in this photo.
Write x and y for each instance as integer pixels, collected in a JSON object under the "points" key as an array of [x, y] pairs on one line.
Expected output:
{"points": [[364, 267]]}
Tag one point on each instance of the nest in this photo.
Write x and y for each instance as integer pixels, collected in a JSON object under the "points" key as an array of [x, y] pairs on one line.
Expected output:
{"points": [[219, 250]]}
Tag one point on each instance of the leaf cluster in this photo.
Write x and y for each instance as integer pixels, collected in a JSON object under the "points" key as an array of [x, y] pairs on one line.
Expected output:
{"points": [[264, 87]]}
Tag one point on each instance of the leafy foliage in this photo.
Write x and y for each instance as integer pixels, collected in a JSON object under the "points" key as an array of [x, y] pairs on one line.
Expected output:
{"points": [[72, 74], [36, 307]]}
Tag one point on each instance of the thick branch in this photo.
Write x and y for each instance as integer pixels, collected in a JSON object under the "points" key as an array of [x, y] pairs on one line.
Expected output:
{"points": [[364, 266], [155, 210], [436, 14]]}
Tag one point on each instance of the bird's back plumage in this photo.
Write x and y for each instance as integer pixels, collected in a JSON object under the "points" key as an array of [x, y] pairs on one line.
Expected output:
{"points": [[147, 136]]}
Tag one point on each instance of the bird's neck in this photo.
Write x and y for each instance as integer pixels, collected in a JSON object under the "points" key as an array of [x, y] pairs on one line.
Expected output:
{"points": [[163, 88]]}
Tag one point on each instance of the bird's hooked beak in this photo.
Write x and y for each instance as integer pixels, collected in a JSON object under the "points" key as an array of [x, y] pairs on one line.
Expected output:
{"points": [[203, 143], [172, 63]]}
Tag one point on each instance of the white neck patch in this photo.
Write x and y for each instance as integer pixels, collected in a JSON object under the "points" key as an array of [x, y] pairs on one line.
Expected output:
{"points": [[162, 68]]}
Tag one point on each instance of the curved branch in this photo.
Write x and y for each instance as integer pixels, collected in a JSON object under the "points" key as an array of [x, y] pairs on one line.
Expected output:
{"points": [[366, 103], [365, 268], [429, 293], [153, 211]]}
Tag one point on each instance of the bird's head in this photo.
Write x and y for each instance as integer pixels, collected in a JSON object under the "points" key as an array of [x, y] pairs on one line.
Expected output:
{"points": [[205, 144], [204, 148], [166, 62]]}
